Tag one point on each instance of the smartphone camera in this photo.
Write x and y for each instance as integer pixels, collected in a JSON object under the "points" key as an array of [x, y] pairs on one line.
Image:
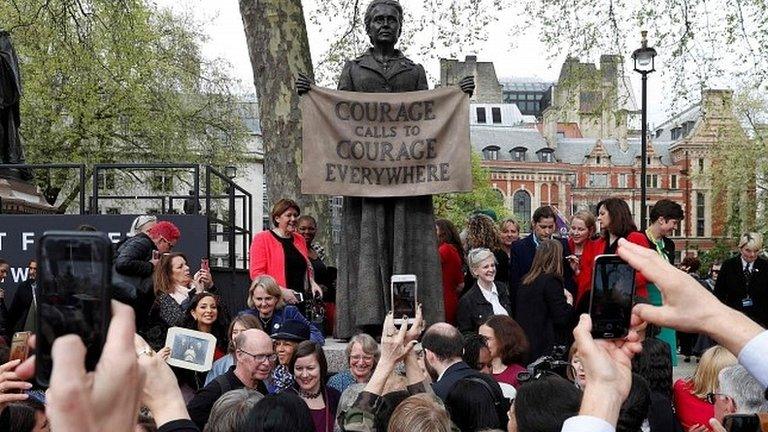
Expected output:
{"points": [[613, 290], [404, 298]]}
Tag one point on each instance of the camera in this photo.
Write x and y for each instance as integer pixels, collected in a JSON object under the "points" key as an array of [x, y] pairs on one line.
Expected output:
{"points": [[556, 363]]}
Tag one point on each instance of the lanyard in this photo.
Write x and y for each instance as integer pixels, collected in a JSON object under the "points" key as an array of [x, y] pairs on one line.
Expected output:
{"points": [[658, 243]]}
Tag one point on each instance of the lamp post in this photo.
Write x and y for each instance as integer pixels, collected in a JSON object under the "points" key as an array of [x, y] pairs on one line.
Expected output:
{"points": [[644, 64]]}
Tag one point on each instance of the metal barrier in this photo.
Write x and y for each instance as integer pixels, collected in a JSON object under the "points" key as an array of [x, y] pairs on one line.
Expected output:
{"points": [[239, 202]]}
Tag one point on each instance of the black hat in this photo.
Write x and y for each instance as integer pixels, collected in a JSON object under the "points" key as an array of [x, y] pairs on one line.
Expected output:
{"points": [[292, 330]]}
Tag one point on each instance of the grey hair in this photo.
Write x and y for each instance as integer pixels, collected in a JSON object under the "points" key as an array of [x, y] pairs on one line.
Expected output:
{"points": [[478, 255], [369, 10], [746, 391], [230, 411], [369, 346]]}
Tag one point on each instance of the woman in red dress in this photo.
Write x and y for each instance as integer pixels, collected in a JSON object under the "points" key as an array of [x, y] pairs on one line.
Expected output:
{"points": [[452, 263]]}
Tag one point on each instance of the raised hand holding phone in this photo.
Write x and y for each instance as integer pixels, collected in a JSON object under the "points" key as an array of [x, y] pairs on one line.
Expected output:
{"points": [[404, 298], [613, 291]]}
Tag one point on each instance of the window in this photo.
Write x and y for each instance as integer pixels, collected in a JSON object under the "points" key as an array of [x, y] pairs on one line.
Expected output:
{"points": [[561, 134], [701, 164], [496, 115], [598, 180], [623, 179], [491, 153], [546, 156], [700, 208], [679, 230], [521, 205], [648, 160], [106, 180], [673, 181], [480, 115], [160, 182], [518, 154], [597, 160], [652, 180]]}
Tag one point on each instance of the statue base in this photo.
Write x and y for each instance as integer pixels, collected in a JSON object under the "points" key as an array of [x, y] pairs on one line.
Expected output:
{"points": [[20, 197]]}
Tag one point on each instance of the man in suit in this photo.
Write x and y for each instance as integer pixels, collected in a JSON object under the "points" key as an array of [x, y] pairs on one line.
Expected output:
{"points": [[21, 313], [471, 397], [743, 280], [523, 251]]}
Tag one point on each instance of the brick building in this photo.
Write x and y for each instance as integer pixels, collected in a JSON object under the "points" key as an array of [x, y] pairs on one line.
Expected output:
{"points": [[588, 148]]}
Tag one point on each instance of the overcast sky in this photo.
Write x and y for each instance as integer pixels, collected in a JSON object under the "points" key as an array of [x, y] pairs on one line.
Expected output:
{"points": [[519, 55]]}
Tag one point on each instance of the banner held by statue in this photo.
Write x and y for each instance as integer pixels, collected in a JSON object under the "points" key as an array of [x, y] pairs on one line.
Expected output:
{"points": [[385, 144]]}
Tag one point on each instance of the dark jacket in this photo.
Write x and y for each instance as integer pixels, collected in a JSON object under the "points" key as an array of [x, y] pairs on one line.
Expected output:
{"points": [[365, 74], [199, 407], [17, 312], [289, 312], [732, 287], [134, 255], [544, 314], [470, 410], [522, 252], [474, 309]]}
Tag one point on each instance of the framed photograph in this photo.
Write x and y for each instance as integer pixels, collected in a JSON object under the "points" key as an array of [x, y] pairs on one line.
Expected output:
{"points": [[190, 349]]}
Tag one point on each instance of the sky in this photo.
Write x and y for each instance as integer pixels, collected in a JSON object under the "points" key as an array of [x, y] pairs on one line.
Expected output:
{"points": [[518, 55]]}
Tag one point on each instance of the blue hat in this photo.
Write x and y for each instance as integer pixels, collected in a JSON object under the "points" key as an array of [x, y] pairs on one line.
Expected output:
{"points": [[292, 330]]}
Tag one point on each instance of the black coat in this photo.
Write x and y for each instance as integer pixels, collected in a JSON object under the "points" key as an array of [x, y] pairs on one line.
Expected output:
{"points": [[470, 410], [134, 255], [522, 252], [544, 314], [19, 309], [474, 309], [200, 406], [732, 288]]}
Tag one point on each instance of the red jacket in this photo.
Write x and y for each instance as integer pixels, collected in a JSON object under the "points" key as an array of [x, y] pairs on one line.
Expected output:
{"points": [[595, 248], [267, 256]]}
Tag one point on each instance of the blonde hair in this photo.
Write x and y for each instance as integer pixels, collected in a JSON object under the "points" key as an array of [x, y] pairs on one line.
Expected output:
{"points": [[712, 362], [751, 240], [270, 286], [588, 218], [420, 412]]}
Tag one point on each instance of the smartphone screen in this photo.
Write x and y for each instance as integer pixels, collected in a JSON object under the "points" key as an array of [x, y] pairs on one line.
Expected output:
{"points": [[404, 296], [205, 264], [613, 289], [74, 297]]}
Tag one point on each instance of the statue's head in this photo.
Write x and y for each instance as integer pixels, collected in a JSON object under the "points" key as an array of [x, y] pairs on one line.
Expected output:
{"points": [[383, 21]]}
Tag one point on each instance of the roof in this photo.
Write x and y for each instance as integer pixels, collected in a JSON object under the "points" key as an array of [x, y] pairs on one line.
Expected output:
{"points": [[507, 139], [524, 84], [690, 114], [575, 150]]}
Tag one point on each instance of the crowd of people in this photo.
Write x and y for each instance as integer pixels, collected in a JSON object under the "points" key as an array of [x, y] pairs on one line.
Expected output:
{"points": [[514, 352]]}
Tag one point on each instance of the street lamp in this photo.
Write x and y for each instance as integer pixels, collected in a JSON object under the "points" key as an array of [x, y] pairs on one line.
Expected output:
{"points": [[644, 64]]}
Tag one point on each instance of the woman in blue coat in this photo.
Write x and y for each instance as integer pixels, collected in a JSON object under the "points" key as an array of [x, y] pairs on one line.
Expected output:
{"points": [[266, 303]]}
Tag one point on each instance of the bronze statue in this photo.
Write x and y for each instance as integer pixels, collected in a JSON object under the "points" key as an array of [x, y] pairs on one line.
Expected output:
{"points": [[384, 236], [11, 151]]}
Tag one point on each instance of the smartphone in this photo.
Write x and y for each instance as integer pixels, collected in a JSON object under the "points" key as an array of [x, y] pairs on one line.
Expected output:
{"points": [[610, 303], [74, 274], [742, 423], [404, 297], [19, 346], [155, 254], [205, 264], [299, 296]]}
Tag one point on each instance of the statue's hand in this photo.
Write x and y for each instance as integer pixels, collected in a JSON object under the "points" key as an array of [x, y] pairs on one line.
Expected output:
{"points": [[467, 85], [303, 83]]}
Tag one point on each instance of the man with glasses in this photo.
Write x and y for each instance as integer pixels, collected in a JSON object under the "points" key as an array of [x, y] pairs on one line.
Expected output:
{"points": [[21, 313], [739, 393], [254, 360]]}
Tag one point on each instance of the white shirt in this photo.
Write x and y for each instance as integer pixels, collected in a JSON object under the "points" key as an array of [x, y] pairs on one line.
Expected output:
{"points": [[746, 265], [752, 357], [492, 297]]}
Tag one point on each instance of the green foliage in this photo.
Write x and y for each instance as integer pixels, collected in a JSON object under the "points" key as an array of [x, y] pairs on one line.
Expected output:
{"points": [[119, 81], [721, 250], [456, 207]]}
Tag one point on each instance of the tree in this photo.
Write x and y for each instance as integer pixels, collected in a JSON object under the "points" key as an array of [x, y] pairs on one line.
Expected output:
{"points": [[119, 81], [279, 50], [457, 207]]}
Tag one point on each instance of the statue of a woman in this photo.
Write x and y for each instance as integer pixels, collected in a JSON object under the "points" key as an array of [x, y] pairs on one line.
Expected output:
{"points": [[384, 236]]}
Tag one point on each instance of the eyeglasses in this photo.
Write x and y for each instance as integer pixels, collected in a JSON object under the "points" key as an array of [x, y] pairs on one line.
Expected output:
{"points": [[357, 358], [260, 358], [711, 398]]}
